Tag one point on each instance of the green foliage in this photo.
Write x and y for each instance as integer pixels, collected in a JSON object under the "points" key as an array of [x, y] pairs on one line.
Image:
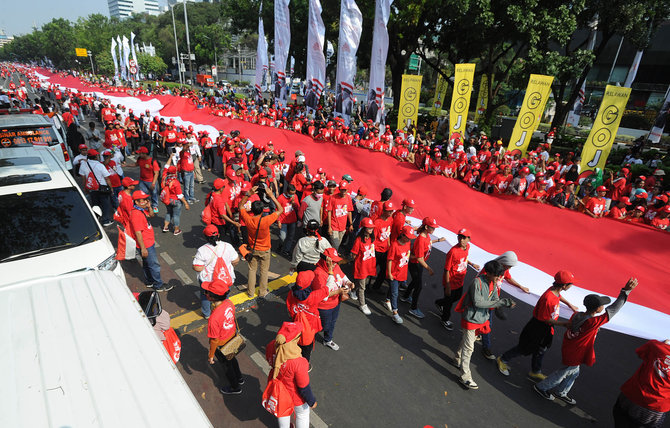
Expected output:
{"points": [[151, 64], [635, 121]]}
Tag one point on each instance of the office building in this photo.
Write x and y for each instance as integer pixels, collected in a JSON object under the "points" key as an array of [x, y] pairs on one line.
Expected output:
{"points": [[124, 8]]}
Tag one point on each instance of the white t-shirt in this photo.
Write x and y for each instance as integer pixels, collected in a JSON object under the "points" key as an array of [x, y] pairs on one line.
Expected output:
{"points": [[206, 256], [99, 170]]}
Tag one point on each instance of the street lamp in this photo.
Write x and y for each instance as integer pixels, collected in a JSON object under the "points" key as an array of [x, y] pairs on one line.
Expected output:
{"points": [[90, 56], [188, 43], [176, 46]]}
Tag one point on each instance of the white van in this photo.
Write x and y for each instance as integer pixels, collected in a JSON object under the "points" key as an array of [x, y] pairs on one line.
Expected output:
{"points": [[79, 352], [46, 225]]}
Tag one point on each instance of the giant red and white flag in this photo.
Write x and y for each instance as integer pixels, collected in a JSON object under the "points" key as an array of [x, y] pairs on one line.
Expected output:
{"points": [[261, 59], [380, 47], [351, 25], [282, 42], [316, 61]]}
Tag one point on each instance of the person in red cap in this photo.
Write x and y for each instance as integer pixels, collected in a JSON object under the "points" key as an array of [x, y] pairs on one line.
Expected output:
{"points": [[596, 207], [363, 252], [662, 220], [383, 225], [619, 211], [538, 333], [292, 370], [143, 232], [98, 185], [82, 156], [400, 217], [125, 199], [149, 172], [220, 206], [221, 327], [173, 198], [376, 207], [214, 260], [418, 262], [579, 340], [339, 211], [519, 183], [329, 309], [644, 400], [288, 218], [396, 269], [455, 269]]}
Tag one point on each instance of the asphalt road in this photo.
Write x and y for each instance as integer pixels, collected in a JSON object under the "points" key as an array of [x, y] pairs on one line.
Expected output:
{"points": [[384, 375]]}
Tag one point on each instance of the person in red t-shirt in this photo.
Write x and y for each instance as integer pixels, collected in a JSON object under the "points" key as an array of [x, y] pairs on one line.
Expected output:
{"points": [[597, 207], [143, 233], [339, 211], [149, 170], [418, 262], [288, 219], [382, 241], [221, 327], [579, 340], [455, 269], [364, 261], [645, 397], [396, 269], [619, 211], [400, 216], [538, 333], [125, 200]]}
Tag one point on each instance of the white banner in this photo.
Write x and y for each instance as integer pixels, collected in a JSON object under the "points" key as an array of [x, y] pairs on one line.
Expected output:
{"points": [[126, 55], [632, 72], [380, 47], [116, 63], [351, 23], [576, 112], [662, 118], [315, 79], [282, 42], [122, 65], [261, 60], [132, 53]]}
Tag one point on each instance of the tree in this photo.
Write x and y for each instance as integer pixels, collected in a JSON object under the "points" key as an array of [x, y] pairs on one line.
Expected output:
{"points": [[151, 64]]}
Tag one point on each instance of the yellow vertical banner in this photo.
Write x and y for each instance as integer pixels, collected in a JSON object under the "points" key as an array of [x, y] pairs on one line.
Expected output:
{"points": [[599, 142], [532, 109], [460, 99], [408, 109], [440, 93], [482, 98]]}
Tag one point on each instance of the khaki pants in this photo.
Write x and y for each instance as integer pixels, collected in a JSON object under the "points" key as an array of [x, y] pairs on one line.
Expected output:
{"points": [[464, 353], [198, 171], [336, 238], [360, 285], [261, 258]]}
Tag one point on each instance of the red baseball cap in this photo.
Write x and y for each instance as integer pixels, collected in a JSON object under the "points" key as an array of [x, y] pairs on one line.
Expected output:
{"points": [[217, 287], [564, 277], [464, 232], [219, 183], [666, 209], [290, 330], [362, 191], [127, 182], [429, 221], [332, 254], [83, 146], [211, 230], [662, 198], [625, 200], [142, 150], [238, 150], [172, 170], [388, 206], [246, 186], [408, 231], [561, 181], [263, 172], [344, 184], [642, 195], [601, 189], [138, 194], [409, 203], [93, 152], [367, 222], [304, 279], [640, 208]]}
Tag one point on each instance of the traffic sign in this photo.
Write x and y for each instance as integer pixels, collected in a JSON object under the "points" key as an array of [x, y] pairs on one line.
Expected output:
{"points": [[414, 62], [81, 52]]}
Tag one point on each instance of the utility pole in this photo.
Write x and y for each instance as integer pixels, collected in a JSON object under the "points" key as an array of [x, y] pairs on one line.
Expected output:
{"points": [[188, 43], [176, 46], [90, 56]]}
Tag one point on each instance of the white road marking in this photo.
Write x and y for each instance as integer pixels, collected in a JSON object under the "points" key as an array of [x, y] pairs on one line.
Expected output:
{"points": [[167, 258], [185, 279]]}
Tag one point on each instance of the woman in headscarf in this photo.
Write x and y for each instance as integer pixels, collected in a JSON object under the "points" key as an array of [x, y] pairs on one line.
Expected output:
{"points": [[307, 251], [288, 366]]}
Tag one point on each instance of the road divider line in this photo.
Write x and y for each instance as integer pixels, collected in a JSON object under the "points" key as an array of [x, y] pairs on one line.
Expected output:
{"points": [[185, 279], [167, 258], [272, 286], [185, 319]]}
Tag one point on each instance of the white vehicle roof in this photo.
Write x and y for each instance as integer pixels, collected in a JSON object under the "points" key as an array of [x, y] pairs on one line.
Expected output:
{"points": [[77, 351], [23, 119], [26, 161]]}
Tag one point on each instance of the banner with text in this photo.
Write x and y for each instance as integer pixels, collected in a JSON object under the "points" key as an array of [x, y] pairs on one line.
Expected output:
{"points": [[599, 142], [316, 60], [260, 83], [408, 110], [282, 42], [532, 109], [351, 25], [440, 93], [380, 47], [482, 98], [460, 99]]}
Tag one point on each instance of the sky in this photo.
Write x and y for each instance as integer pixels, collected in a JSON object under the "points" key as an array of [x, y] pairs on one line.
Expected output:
{"points": [[17, 16]]}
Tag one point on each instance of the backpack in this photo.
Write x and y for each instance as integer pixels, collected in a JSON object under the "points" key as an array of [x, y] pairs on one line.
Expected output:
{"points": [[276, 399], [221, 271], [165, 193], [91, 181], [206, 216]]}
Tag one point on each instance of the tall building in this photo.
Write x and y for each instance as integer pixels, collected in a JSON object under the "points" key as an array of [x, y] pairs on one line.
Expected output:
{"points": [[125, 8], [4, 38]]}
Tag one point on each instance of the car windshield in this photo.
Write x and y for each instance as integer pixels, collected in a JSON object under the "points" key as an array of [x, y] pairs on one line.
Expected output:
{"points": [[35, 135], [34, 223]]}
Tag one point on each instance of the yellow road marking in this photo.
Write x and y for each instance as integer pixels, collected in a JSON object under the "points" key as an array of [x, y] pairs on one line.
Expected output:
{"points": [[192, 316]]}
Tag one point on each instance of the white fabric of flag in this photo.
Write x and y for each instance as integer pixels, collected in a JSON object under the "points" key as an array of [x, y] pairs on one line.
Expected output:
{"points": [[316, 61], [261, 59], [380, 47], [132, 54], [126, 55], [122, 65], [282, 43], [351, 25], [632, 72], [116, 62]]}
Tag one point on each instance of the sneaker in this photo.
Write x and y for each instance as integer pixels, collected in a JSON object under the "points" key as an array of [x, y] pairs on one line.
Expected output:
{"points": [[397, 319], [165, 287], [166, 229], [568, 400], [470, 384], [502, 367], [228, 390], [107, 223], [387, 305], [488, 354], [539, 376], [309, 369], [439, 307], [177, 232], [332, 345], [417, 313], [193, 201], [365, 309], [544, 394], [240, 381], [406, 299], [149, 285], [448, 325], [353, 296]]}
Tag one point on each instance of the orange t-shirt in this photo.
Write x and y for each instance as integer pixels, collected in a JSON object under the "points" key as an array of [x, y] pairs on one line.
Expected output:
{"points": [[263, 242]]}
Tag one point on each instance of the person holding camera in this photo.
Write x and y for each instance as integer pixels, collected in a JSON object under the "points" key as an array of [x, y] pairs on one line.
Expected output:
{"points": [[258, 238]]}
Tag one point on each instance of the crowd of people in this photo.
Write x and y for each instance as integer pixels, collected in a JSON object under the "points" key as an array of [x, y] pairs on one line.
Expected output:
{"points": [[325, 221]]}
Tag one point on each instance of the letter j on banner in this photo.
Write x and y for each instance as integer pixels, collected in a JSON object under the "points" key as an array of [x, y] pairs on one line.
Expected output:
{"points": [[532, 109], [599, 142], [409, 100], [460, 99]]}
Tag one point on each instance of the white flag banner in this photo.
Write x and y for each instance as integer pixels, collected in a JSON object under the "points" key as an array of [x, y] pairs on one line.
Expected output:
{"points": [[632, 72], [380, 47], [122, 65], [661, 120], [282, 42], [351, 23], [576, 112], [316, 61], [134, 66], [261, 60], [126, 55], [116, 62]]}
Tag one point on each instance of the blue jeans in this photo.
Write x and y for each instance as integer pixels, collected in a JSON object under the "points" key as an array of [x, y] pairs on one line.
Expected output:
{"points": [[328, 319], [535, 362], [486, 337], [286, 234], [187, 181], [173, 213], [104, 201], [562, 379], [115, 196], [152, 268], [205, 304], [145, 186], [393, 293]]}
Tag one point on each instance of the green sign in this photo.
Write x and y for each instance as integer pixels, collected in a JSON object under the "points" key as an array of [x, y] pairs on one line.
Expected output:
{"points": [[414, 62]]}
